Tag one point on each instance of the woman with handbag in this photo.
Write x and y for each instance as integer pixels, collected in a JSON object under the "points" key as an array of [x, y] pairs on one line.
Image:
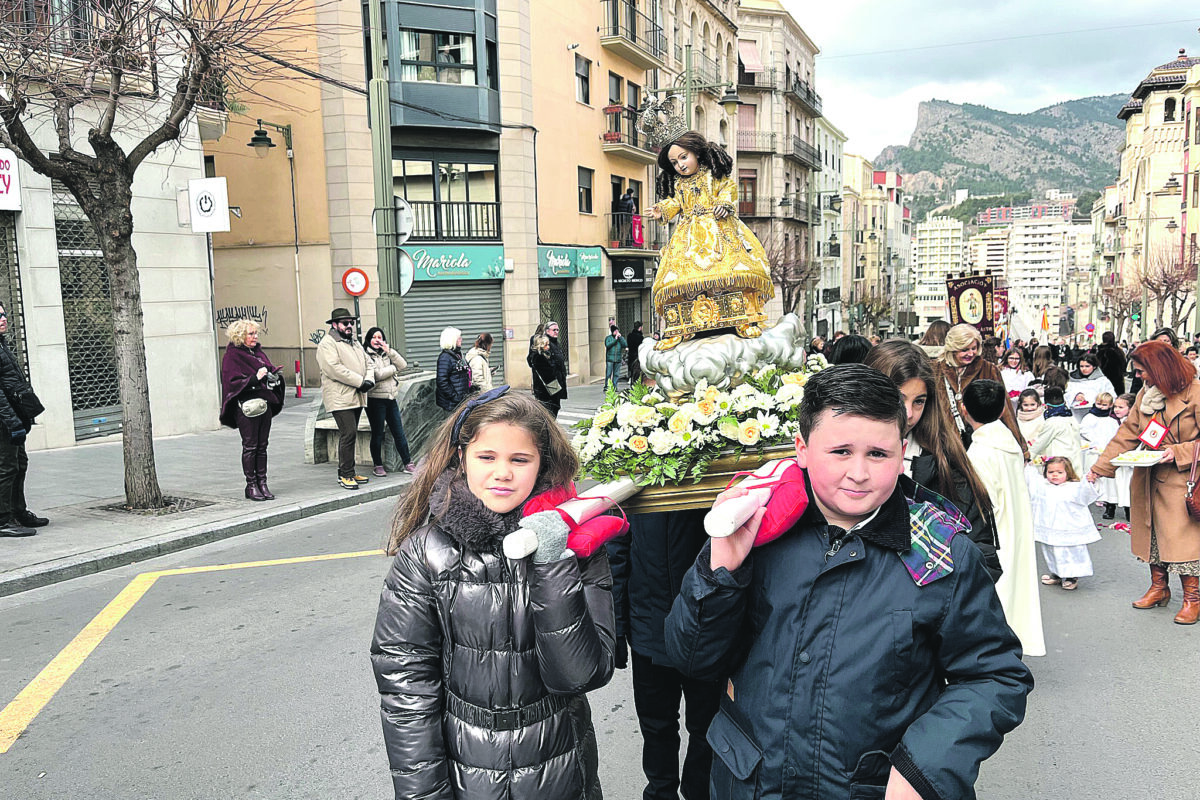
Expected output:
{"points": [[546, 386], [1165, 524], [383, 412], [251, 395]]}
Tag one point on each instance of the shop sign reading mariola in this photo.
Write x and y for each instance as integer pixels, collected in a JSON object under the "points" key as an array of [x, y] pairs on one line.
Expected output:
{"points": [[457, 262]]}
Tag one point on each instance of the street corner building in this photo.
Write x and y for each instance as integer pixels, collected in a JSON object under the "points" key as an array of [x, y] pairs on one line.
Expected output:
{"points": [[55, 289]]}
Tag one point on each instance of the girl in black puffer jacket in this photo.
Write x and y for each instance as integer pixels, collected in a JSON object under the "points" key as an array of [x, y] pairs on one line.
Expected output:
{"points": [[483, 662]]}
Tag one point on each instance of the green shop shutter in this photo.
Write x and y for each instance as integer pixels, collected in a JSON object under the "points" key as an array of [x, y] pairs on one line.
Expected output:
{"points": [[474, 307]]}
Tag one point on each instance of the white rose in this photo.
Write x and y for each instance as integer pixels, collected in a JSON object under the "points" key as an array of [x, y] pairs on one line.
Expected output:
{"points": [[661, 441]]}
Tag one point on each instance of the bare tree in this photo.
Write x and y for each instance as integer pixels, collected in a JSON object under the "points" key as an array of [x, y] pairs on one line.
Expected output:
{"points": [[793, 271], [1119, 300], [876, 306], [1170, 281], [121, 78]]}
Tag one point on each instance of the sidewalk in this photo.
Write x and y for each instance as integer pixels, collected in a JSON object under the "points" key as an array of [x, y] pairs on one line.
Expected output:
{"points": [[72, 485]]}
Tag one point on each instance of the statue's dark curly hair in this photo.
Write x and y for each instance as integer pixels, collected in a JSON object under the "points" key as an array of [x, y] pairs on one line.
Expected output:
{"points": [[711, 156]]}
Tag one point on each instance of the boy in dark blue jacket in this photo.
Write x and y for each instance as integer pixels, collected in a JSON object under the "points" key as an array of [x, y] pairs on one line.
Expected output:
{"points": [[866, 651]]}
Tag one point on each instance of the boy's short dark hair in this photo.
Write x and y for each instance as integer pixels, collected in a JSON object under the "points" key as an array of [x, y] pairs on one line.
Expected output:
{"points": [[1056, 376], [851, 389], [1054, 396], [984, 400], [612, 328]]}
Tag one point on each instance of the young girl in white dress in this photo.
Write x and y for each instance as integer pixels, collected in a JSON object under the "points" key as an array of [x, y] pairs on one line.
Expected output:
{"points": [[1115, 490], [1029, 414], [1062, 520]]}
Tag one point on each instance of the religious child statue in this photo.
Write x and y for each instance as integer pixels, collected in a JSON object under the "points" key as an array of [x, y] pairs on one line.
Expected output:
{"points": [[713, 273]]}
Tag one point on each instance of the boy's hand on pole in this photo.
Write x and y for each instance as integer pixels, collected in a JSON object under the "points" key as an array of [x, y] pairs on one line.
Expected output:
{"points": [[729, 552]]}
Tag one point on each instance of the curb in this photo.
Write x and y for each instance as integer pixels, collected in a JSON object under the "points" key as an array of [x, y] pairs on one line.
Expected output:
{"points": [[65, 569]]}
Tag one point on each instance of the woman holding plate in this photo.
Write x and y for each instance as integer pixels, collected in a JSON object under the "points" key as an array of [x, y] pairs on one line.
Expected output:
{"points": [[1163, 534]]}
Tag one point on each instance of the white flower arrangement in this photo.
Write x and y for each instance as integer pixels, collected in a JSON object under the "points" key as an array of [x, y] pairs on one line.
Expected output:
{"points": [[641, 434]]}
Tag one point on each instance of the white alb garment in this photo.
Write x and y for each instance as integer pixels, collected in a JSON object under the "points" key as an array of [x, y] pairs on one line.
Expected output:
{"points": [[997, 459], [1059, 436], [1061, 514]]}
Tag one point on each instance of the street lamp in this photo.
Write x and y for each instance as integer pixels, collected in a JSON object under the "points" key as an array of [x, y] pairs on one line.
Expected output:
{"points": [[262, 144], [687, 83]]}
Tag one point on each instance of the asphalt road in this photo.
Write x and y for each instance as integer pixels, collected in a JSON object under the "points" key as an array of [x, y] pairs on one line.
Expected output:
{"points": [[255, 683]]}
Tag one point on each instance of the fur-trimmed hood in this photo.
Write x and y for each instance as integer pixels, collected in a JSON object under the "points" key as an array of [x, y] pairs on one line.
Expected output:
{"points": [[464, 518]]}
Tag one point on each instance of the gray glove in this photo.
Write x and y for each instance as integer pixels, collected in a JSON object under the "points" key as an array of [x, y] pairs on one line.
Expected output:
{"points": [[551, 533]]}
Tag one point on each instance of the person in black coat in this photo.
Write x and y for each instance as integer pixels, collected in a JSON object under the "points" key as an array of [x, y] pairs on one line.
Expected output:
{"points": [[636, 337], [648, 567], [18, 408], [546, 385], [453, 374]]}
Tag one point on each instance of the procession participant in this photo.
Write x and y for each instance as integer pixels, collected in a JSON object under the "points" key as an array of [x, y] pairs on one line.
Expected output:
{"points": [[483, 663], [915, 715]]}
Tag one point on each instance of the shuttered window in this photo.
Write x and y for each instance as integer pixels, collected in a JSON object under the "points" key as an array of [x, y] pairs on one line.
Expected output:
{"points": [[474, 307]]}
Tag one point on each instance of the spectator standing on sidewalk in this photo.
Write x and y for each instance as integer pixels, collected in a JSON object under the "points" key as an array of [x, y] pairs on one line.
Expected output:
{"points": [[383, 411], [346, 377], [251, 396], [477, 360], [636, 337], [614, 353], [453, 375], [18, 408]]}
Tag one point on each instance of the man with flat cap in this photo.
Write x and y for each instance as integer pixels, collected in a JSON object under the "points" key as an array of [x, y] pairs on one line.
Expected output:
{"points": [[346, 377]]}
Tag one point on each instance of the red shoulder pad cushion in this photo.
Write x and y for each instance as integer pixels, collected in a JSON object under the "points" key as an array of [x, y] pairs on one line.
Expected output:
{"points": [[586, 538], [789, 499]]}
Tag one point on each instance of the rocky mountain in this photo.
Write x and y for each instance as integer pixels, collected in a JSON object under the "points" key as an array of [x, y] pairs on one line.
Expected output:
{"points": [[1070, 146]]}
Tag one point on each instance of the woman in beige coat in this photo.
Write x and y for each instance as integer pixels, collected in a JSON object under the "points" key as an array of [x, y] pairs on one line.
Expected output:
{"points": [[1163, 535], [477, 360], [383, 411]]}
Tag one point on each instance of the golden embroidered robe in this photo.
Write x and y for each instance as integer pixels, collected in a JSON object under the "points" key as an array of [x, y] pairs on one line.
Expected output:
{"points": [[706, 254]]}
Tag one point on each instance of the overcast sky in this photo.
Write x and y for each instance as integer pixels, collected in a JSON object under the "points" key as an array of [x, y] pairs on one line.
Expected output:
{"points": [[878, 59]]}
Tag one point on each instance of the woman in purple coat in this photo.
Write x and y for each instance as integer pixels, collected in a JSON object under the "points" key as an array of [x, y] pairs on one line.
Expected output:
{"points": [[251, 394]]}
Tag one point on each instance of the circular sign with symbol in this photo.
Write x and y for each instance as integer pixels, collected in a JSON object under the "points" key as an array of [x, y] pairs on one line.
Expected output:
{"points": [[970, 306], [1090, 328], [408, 271], [629, 273], [355, 282], [206, 204]]}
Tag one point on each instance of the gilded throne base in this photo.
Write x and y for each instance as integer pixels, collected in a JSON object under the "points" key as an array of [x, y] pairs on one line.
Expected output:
{"points": [[733, 309]]}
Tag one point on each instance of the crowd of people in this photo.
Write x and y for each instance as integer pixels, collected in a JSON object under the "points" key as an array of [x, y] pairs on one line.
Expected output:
{"points": [[483, 663]]}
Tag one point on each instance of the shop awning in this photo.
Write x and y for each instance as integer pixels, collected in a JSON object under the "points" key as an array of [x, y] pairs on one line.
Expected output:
{"points": [[751, 60]]}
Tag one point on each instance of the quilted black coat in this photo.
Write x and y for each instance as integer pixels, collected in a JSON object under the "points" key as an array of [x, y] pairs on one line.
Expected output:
{"points": [[456, 618]]}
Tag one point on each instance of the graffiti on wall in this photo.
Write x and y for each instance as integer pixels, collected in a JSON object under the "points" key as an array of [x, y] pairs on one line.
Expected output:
{"points": [[316, 336], [230, 314]]}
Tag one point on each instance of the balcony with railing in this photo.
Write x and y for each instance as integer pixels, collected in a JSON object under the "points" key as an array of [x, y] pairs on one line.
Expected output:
{"points": [[623, 137], [766, 79], [755, 142], [775, 208], [454, 221], [707, 71], [804, 153], [640, 234], [804, 94], [632, 35]]}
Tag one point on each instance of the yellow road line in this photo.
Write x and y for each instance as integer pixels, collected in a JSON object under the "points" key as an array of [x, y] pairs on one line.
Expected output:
{"points": [[17, 715]]}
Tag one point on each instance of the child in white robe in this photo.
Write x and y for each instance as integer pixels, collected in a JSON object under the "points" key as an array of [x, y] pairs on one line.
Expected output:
{"points": [[1062, 521]]}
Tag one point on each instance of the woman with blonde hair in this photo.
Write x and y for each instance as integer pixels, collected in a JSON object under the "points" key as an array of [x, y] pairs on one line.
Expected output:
{"points": [[453, 375], [251, 395], [958, 365]]}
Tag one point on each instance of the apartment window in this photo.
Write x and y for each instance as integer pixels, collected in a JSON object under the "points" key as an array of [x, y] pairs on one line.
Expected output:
{"points": [[633, 95], [615, 85], [583, 80], [451, 197], [432, 57], [1169, 110], [637, 197], [585, 190], [67, 24]]}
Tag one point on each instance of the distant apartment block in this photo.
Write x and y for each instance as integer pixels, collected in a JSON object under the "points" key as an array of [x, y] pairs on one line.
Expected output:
{"points": [[937, 253], [1006, 215]]}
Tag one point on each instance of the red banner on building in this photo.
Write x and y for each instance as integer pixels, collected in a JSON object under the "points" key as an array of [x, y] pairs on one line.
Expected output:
{"points": [[972, 300]]}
